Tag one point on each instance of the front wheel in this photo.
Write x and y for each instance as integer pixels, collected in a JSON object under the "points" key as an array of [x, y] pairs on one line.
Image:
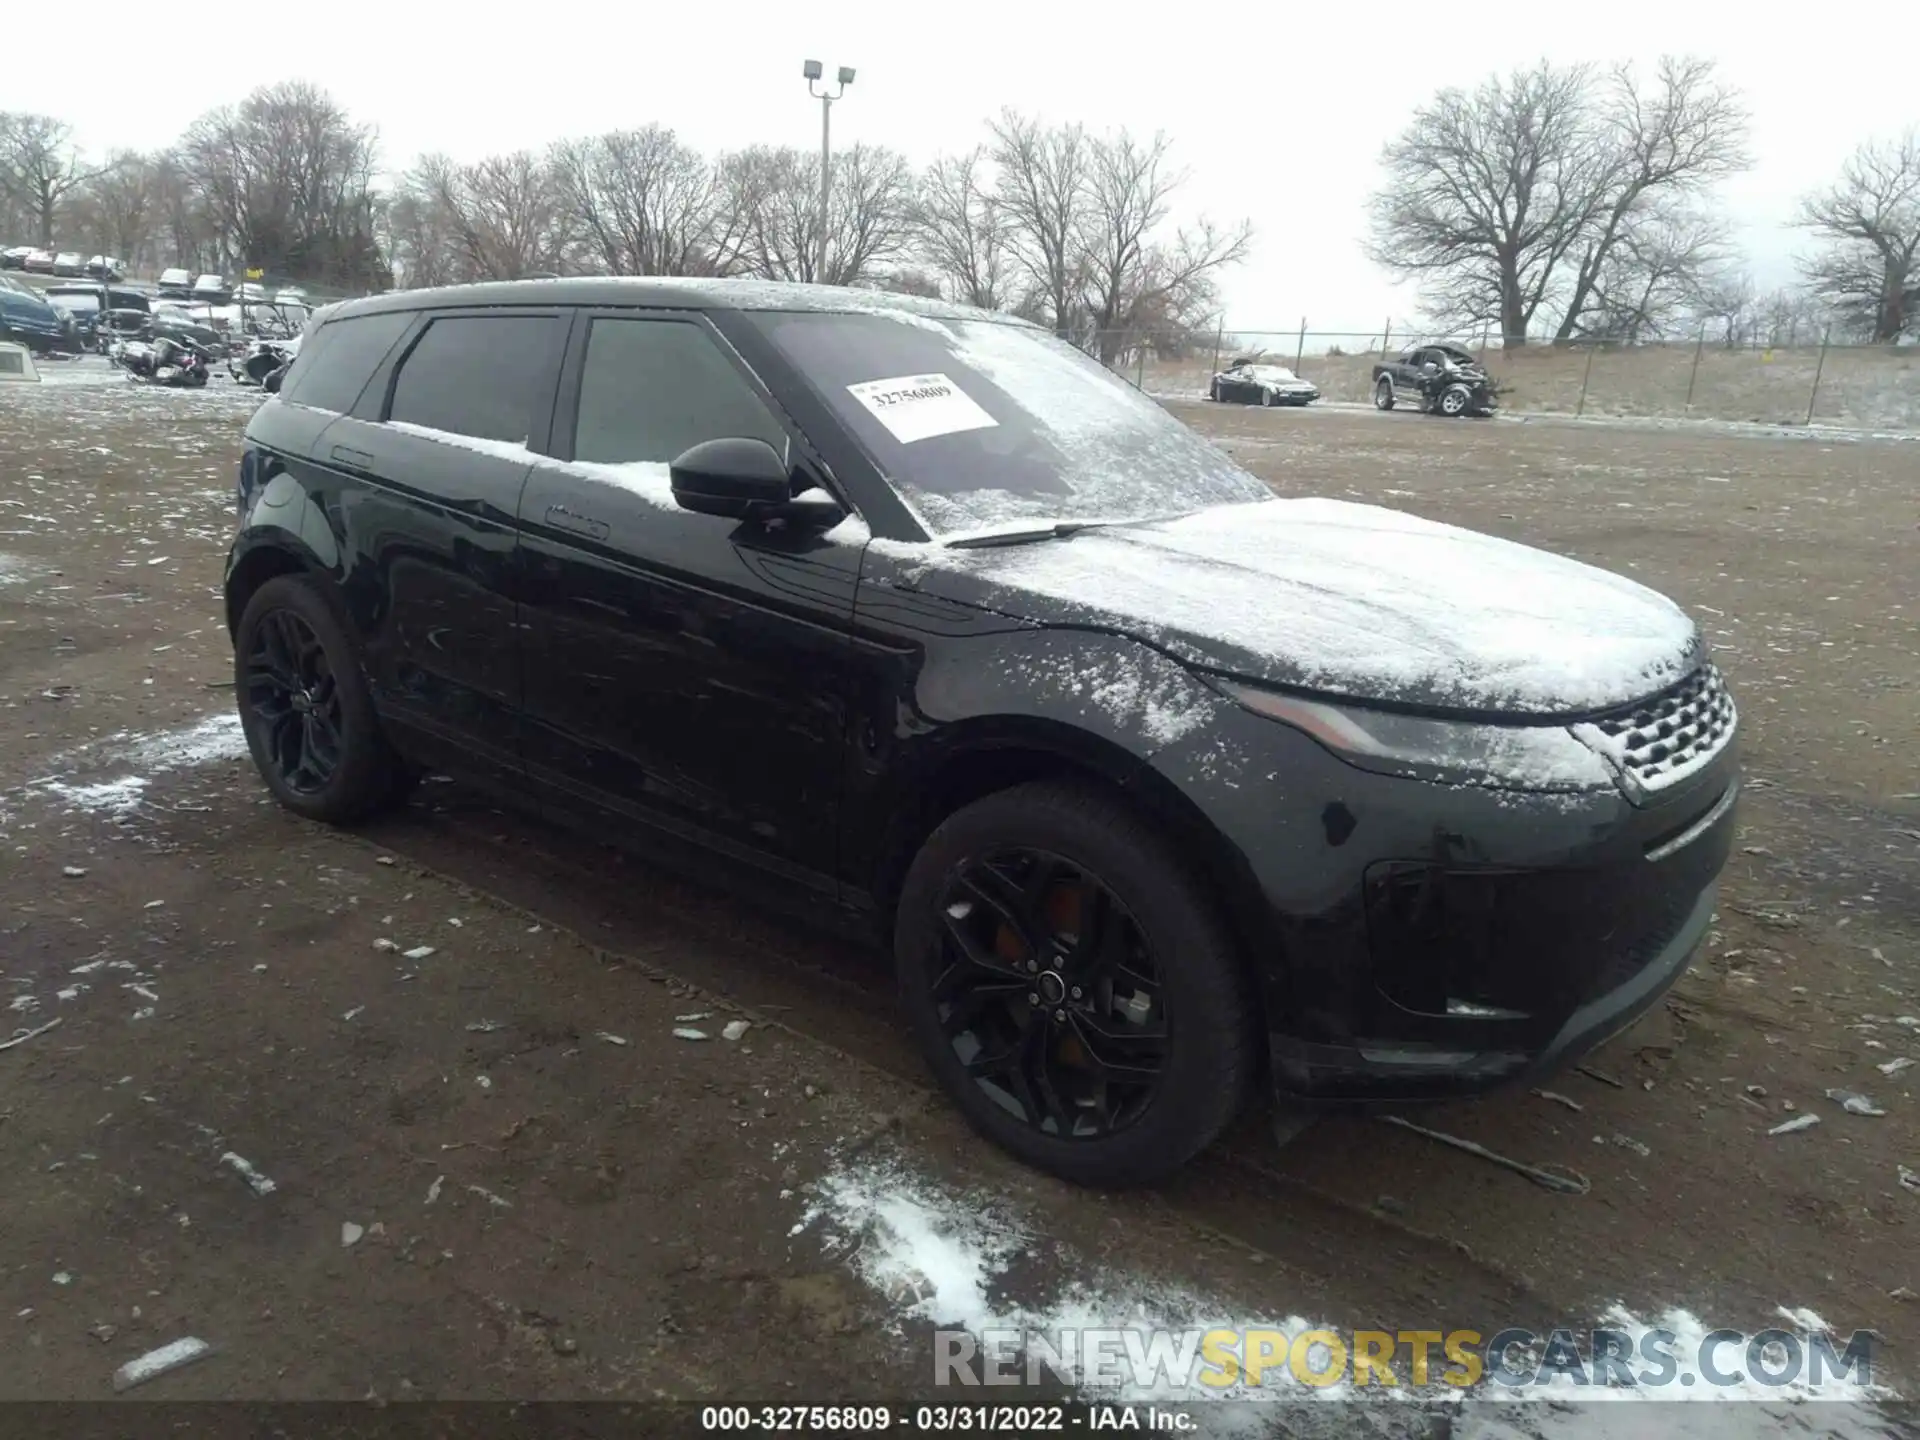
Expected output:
{"points": [[1454, 401], [1383, 394], [1072, 985], [306, 709]]}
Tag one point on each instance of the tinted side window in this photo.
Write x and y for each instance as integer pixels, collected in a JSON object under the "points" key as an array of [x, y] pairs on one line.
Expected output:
{"points": [[652, 388], [337, 360], [476, 375]]}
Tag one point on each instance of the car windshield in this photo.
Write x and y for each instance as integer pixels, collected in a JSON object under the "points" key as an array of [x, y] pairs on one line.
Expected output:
{"points": [[984, 425]]}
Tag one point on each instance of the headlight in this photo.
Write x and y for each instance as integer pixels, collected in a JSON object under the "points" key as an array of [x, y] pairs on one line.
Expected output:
{"points": [[1452, 752]]}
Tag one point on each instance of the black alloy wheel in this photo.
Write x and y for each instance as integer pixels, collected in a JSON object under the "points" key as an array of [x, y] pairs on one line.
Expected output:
{"points": [[306, 708], [1050, 996], [295, 700], [1069, 977]]}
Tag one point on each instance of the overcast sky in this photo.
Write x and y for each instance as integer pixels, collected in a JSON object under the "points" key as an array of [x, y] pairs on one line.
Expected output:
{"points": [[1279, 111]]}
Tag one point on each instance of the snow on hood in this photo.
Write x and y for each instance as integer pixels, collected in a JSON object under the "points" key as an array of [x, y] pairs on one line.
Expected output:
{"points": [[1360, 601]]}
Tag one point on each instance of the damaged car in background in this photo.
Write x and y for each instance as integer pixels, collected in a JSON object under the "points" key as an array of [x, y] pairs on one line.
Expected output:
{"points": [[1250, 382], [1437, 379], [1159, 788], [28, 318]]}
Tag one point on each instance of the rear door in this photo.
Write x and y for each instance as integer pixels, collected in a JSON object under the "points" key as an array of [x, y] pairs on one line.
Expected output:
{"points": [[438, 447], [684, 671]]}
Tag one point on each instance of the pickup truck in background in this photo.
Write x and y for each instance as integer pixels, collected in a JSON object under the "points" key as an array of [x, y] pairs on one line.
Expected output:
{"points": [[1438, 379]]}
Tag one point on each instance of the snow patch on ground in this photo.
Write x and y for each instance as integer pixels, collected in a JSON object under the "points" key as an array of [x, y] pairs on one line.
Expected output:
{"points": [[942, 1257], [110, 797], [17, 570], [956, 1258], [140, 757]]}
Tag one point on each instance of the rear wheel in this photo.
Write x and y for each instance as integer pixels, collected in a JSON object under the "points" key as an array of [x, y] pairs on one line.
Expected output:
{"points": [[1383, 394], [306, 709], [1072, 986]]}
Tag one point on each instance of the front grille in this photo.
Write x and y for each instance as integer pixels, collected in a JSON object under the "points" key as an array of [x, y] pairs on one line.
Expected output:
{"points": [[1664, 739]]}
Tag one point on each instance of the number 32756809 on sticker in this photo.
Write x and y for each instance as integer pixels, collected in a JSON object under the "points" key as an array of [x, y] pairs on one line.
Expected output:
{"points": [[919, 407]]}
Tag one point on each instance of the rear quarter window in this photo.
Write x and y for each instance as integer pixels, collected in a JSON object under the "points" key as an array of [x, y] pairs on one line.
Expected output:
{"points": [[336, 362], [476, 375]]}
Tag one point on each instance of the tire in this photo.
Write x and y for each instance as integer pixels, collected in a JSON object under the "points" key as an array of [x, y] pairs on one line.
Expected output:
{"points": [[1453, 402], [1213, 391], [1383, 394], [1157, 918], [349, 772], [1268, 399]]}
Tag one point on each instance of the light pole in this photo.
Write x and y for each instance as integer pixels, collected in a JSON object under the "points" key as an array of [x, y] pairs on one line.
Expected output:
{"points": [[813, 70]]}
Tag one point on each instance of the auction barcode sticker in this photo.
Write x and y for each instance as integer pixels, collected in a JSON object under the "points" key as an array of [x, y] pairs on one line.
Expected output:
{"points": [[918, 407]]}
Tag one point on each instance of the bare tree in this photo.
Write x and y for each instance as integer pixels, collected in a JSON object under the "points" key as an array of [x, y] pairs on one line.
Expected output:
{"points": [[188, 234], [1656, 275], [1869, 223], [417, 234], [118, 209], [1042, 190], [1647, 151], [1512, 199], [39, 169], [772, 196], [645, 201], [502, 218], [962, 230], [1131, 278], [1790, 317], [1484, 195], [1727, 309], [286, 178]]}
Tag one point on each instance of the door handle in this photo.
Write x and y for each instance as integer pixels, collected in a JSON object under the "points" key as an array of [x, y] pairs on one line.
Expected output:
{"points": [[359, 459]]}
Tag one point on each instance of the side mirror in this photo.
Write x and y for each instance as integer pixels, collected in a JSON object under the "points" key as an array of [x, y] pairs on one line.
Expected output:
{"points": [[735, 478]]}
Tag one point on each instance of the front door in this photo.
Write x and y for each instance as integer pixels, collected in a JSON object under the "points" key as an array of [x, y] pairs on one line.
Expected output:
{"points": [[684, 671]]}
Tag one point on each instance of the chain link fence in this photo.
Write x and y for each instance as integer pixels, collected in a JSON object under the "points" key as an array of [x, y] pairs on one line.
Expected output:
{"points": [[1816, 380]]}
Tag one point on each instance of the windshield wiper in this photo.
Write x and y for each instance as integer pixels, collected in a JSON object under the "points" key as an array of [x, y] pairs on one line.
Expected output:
{"points": [[1054, 530]]}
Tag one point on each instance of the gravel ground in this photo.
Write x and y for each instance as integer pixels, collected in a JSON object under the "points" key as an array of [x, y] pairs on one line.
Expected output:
{"points": [[548, 1194]]}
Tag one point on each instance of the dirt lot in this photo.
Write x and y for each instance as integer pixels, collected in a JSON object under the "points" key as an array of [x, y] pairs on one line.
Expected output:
{"points": [[495, 1172]]}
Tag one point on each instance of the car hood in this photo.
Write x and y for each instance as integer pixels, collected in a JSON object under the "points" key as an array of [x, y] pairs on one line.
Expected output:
{"points": [[1351, 600]]}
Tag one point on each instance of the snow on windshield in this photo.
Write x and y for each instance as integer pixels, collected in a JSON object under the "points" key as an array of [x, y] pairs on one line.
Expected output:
{"points": [[985, 424]]}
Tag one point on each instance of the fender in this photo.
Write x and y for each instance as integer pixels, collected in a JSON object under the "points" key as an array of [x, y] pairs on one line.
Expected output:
{"points": [[280, 522]]}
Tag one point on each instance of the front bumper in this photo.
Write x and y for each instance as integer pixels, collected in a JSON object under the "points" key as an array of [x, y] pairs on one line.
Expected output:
{"points": [[1416, 941]]}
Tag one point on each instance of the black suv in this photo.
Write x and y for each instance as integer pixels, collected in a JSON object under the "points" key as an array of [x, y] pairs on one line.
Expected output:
{"points": [[1157, 786]]}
